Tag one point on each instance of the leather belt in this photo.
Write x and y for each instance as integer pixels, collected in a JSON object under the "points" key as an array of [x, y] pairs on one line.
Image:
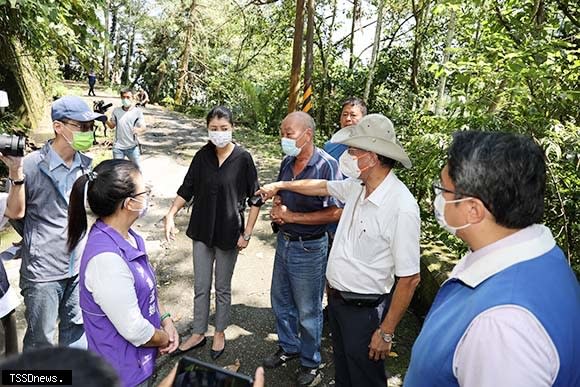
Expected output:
{"points": [[294, 238], [356, 299]]}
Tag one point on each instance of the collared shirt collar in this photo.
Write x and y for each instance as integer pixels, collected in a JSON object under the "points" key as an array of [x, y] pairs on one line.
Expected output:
{"points": [[528, 243], [54, 160], [312, 160], [378, 196]]}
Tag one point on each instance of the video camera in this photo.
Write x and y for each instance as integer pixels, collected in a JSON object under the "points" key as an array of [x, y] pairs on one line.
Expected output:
{"points": [[100, 107], [12, 145]]}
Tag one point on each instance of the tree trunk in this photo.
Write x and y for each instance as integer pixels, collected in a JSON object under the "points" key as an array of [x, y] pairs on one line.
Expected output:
{"points": [[106, 43], [355, 14], [112, 33], [420, 12], [184, 66], [22, 82], [376, 47], [127, 67], [116, 40], [296, 56], [309, 60], [325, 83], [446, 53], [161, 74]]}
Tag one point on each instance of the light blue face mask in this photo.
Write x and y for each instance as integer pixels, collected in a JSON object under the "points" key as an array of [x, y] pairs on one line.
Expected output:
{"points": [[289, 145]]}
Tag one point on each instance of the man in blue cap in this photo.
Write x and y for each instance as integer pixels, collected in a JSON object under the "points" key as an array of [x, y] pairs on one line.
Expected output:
{"points": [[49, 273]]}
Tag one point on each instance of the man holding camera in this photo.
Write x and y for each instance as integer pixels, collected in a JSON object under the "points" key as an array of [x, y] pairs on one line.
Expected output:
{"points": [[128, 122], [49, 272], [12, 205]]}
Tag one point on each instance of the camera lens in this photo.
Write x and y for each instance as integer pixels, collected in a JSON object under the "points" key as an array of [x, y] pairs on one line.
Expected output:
{"points": [[12, 145]]}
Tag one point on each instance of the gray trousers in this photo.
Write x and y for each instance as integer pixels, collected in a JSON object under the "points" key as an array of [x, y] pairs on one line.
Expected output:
{"points": [[204, 258]]}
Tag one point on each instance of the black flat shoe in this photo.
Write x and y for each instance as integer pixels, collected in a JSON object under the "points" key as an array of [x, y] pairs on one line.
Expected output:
{"points": [[180, 351], [215, 354]]}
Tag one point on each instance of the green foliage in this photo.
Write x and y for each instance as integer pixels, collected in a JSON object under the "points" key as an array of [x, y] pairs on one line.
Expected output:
{"points": [[60, 28]]}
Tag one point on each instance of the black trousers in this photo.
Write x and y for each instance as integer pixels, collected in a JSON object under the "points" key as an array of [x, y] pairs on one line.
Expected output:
{"points": [[92, 89], [352, 327]]}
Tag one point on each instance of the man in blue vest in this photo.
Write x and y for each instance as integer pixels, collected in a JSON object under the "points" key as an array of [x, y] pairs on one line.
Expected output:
{"points": [[509, 313]]}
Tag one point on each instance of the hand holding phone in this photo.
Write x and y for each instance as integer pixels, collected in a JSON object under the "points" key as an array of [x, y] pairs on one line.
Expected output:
{"points": [[192, 372]]}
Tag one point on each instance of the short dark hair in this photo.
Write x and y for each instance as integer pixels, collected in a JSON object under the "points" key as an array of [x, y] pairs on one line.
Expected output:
{"points": [[220, 112], [386, 161], [88, 369], [506, 171], [111, 182], [126, 90], [354, 101]]}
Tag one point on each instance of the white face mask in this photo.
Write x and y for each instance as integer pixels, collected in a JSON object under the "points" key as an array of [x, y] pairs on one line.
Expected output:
{"points": [[220, 138], [289, 145], [439, 210], [143, 210], [348, 165]]}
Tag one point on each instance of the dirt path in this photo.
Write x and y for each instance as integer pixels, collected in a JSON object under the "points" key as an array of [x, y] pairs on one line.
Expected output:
{"points": [[169, 143]]}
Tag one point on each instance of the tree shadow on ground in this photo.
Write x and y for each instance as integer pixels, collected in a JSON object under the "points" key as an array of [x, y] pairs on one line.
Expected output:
{"points": [[250, 338]]}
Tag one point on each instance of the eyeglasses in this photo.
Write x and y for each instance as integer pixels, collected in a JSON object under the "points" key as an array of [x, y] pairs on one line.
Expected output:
{"points": [[82, 126], [438, 188], [147, 191]]}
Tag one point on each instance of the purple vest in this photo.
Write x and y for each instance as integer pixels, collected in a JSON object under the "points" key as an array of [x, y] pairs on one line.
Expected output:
{"points": [[134, 364]]}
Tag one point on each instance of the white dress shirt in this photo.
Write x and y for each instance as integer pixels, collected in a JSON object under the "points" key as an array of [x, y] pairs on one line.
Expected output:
{"points": [[112, 285], [377, 237], [505, 345]]}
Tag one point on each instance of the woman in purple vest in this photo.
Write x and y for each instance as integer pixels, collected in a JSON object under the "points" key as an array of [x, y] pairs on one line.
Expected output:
{"points": [[118, 292]]}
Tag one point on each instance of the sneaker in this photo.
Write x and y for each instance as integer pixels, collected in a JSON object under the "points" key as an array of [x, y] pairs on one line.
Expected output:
{"points": [[309, 376], [279, 358]]}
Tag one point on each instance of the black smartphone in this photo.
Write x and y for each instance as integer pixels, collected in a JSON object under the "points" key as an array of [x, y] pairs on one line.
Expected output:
{"points": [[192, 372]]}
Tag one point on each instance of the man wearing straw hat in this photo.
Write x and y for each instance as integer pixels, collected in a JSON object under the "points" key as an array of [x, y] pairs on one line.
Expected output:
{"points": [[377, 240]]}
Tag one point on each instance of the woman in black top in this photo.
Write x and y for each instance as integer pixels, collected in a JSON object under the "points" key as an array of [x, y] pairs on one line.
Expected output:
{"points": [[221, 178]]}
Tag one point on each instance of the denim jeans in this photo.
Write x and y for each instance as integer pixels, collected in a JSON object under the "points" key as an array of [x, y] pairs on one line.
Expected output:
{"points": [[47, 302], [297, 287], [132, 154]]}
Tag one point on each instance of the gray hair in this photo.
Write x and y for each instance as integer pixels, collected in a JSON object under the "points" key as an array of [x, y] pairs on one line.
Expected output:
{"points": [[305, 119], [506, 171]]}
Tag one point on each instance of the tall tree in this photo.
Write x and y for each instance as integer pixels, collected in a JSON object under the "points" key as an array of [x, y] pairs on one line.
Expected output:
{"points": [[184, 65], [296, 56], [376, 47], [439, 104], [106, 45], [355, 17], [420, 12]]}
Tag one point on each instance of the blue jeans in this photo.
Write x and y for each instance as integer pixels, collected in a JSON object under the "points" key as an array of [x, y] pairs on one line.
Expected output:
{"points": [[132, 154], [47, 302], [296, 294]]}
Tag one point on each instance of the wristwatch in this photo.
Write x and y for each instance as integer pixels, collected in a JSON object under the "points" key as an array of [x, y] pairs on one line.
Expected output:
{"points": [[247, 237], [17, 182], [387, 337]]}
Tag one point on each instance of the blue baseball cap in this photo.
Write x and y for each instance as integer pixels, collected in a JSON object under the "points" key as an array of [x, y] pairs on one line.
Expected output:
{"points": [[74, 108]]}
